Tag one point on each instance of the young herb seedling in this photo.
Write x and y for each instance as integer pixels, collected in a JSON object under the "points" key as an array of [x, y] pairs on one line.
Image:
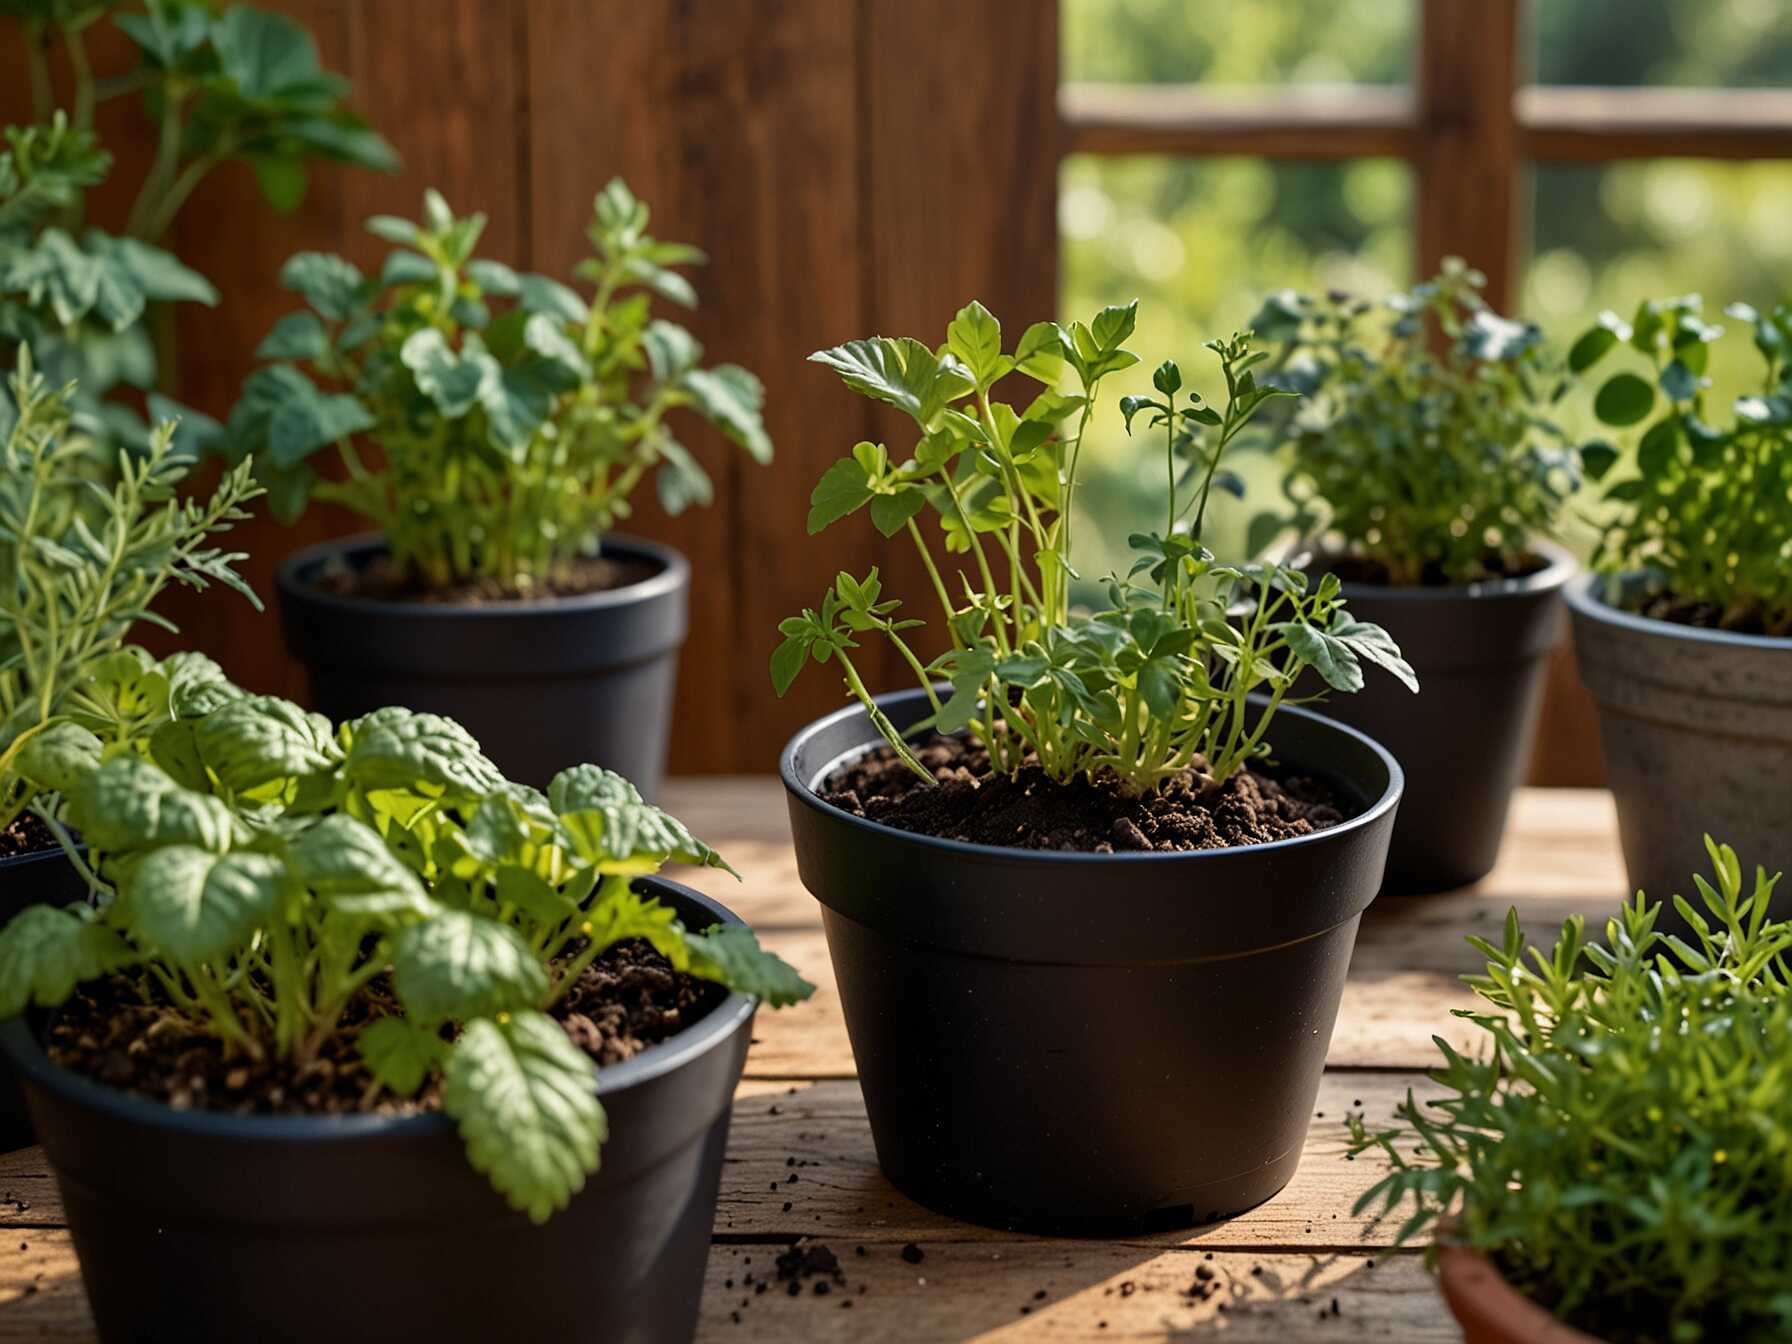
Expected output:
{"points": [[1156, 684]]}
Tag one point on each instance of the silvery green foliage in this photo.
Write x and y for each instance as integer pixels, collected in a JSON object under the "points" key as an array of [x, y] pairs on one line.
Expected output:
{"points": [[265, 868]]}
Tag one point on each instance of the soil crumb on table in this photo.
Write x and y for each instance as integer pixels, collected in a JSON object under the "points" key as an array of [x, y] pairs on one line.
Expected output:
{"points": [[121, 1031], [1032, 811]]}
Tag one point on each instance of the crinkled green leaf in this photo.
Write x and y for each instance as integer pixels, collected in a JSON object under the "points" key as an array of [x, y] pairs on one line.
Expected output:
{"points": [[46, 951], [394, 748], [58, 755], [460, 965], [191, 905], [328, 283], [612, 826], [842, 489], [401, 1053], [731, 955], [525, 1100], [258, 740], [347, 864], [128, 804]]}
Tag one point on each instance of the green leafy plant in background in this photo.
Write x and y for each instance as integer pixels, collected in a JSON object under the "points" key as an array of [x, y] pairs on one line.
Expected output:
{"points": [[1427, 466], [1620, 1150], [1704, 510], [80, 565], [1153, 685], [221, 84], [513, 417], [277, 884]]}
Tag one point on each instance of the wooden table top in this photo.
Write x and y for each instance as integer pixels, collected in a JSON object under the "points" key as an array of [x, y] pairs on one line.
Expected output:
{"points": [[1299, 1267]]}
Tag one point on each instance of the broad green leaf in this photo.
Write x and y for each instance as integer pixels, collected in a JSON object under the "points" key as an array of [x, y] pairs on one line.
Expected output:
{"points": [[459, 965], [295, 336], [842, 489], [453, 381], [903, 372], [681, 480], [1590, 348], [128, 804], [347, 864], [975, 340], [1623, 400], [730, 398], [401, 1053], [46, 951], [620, 912], [393, 748], [1373, 643], [197, 685], [525, 1100], [612, 826], [1331, 658], [731, 955], [264, 53], [328, 283], [193, 906], [259, 740], [891, 512], [58, 755], [671, 350]]}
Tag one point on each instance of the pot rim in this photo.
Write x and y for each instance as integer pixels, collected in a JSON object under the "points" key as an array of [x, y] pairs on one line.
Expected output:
{"points": [[20, 1045], [13, 861], [1584, 600], [1466, 1276], [801, 789], [674, 575], [1560, 569]]}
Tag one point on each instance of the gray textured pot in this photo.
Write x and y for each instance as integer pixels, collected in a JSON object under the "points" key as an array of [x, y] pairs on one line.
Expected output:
{"points": [[1697, 728]]}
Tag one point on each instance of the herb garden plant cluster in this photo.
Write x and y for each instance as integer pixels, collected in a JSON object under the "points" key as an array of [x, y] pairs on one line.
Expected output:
{"points": [[388, 987]]}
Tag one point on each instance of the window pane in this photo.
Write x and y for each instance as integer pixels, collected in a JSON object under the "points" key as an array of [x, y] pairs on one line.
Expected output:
{"points": [[1709, 43], [1199, 243], [1611, 235], [1221, 42]]}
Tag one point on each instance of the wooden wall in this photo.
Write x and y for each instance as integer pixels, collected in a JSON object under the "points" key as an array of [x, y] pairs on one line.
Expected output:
{"points": [[851, 166]]}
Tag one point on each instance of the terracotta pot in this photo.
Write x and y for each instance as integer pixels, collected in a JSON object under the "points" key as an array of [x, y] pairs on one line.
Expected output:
{"points": [[1490, 1310]]}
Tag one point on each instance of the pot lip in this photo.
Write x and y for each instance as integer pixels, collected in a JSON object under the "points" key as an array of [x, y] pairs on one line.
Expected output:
{"points": [[1465, 1272], [1584, 600], [1562, 567], [20, 1045], [12, 861], [674, 577], [798, 788]]}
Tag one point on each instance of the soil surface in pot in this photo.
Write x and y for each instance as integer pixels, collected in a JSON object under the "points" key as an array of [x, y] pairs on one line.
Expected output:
{"points": [[1494, 566], [114, 1032], [26, 835], [1667, 606], [1096, 816], [381, 581]]}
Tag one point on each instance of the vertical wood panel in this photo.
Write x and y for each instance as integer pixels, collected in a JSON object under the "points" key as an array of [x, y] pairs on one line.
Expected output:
{"points": [[736, 120], [965, 140]]}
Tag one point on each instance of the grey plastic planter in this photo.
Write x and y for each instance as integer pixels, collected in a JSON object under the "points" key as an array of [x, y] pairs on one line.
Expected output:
{"points": [[1697, 727], [1482, 654]]}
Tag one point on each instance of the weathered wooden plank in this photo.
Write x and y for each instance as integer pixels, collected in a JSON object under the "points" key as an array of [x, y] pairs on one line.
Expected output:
{"points": [[41, 1298], [1081, 1291]]}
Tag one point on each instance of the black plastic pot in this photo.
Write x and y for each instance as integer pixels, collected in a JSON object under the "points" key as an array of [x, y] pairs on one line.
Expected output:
{"points": [[197, 1226], [1089, 1042], [542, 685], [1482, 655], [44, 878], [1697, 731]]}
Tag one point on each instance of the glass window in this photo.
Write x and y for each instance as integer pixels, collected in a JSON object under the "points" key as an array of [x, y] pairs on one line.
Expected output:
{"points": [[1711, 43], [1222, 42], [1199, 242]]}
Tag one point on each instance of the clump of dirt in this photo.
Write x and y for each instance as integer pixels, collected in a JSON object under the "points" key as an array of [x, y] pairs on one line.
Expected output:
{"points": [[122, 1031], [1096, 816], [26, 834], [382, 581]]}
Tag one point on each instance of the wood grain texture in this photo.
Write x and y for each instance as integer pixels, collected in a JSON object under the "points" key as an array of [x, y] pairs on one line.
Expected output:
{"points": [[798, 1114]]}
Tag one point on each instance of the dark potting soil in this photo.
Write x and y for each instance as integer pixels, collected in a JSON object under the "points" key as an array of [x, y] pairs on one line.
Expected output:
{"points": [[381, 581], [26, 835], [1495, 566], [121, 1031], [1667, 606], [1031, 811]]}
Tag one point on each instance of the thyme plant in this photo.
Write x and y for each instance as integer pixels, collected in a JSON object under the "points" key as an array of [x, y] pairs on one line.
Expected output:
{"points": [[513, 417], [1621, 1147], [279, 885], [1426, 466], [80, 565], [1155, 684], [1705, 514]]}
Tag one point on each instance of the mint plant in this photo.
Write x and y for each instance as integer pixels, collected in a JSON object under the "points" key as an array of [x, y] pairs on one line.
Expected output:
{"points": [[222, 84], [1154, 685], [1705, 511], [1421, 465], [260, 873], [513, 417], [1619, 1150], [81, 564]]}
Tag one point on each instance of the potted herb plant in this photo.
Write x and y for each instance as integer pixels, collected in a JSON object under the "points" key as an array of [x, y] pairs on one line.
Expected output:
{"points": [[1103, 872], [336, 1022], [510, 419], [1425, 471], [1684, 636], [80, 566], [1592, 1176]]}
